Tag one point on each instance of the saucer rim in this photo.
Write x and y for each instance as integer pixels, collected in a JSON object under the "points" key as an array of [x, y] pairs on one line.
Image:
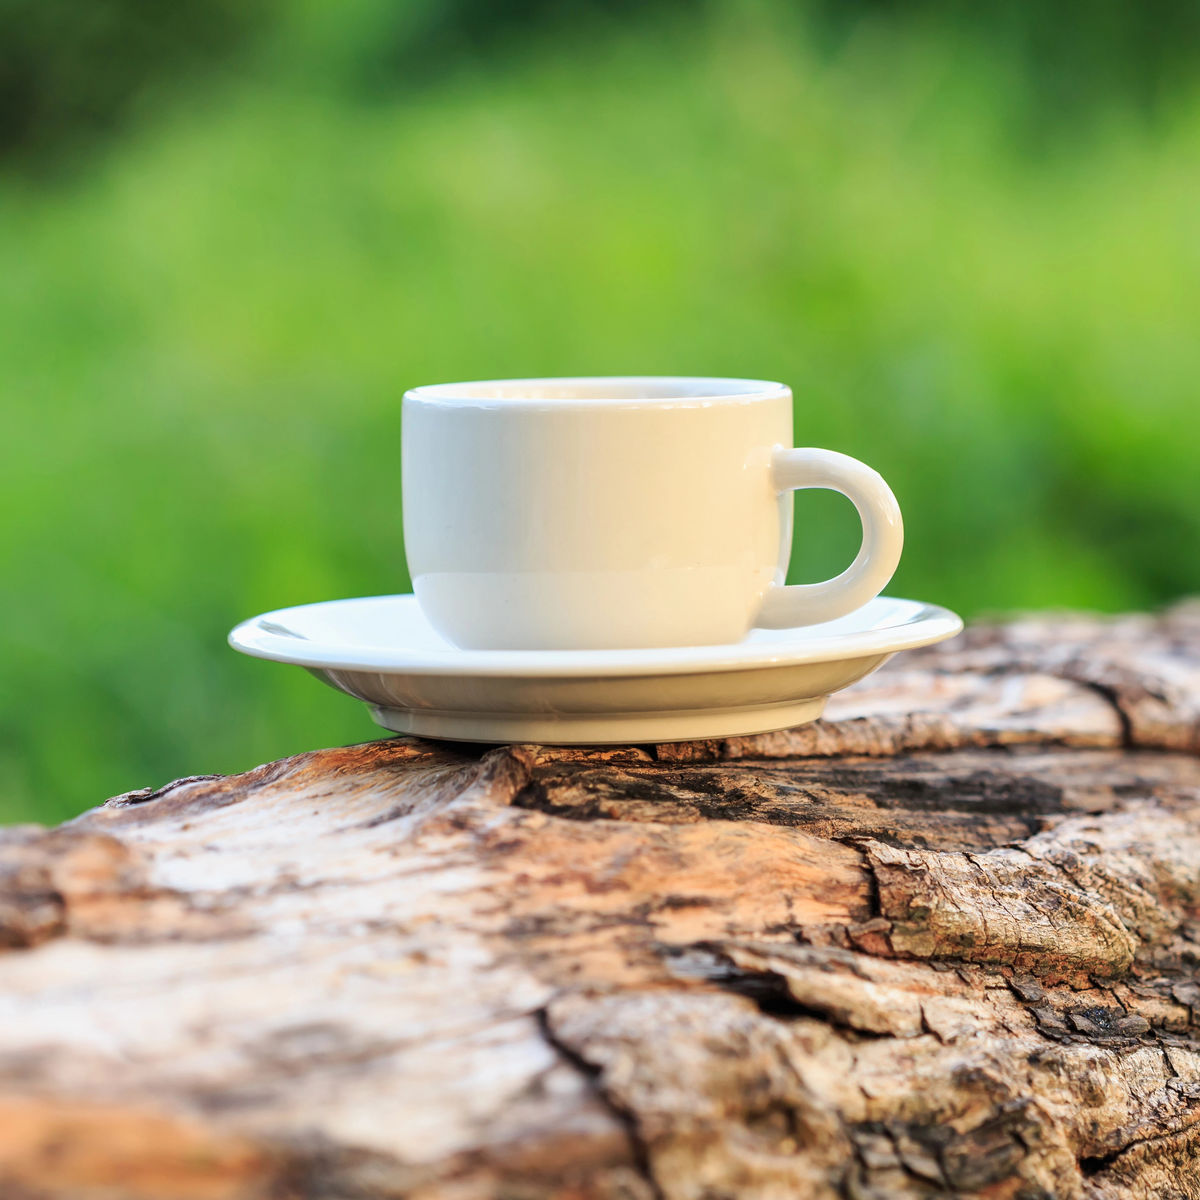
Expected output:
{"points": [[929, 623]]}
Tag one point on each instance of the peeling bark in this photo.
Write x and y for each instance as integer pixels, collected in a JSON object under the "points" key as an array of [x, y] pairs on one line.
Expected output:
{"points": [[943, 943]]}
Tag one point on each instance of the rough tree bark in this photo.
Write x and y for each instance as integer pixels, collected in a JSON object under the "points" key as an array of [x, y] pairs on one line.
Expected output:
{"points": [[943, 943]]}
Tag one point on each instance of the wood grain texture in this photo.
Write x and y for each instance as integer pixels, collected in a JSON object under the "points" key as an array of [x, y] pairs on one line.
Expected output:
{"points": [[943, 943]]}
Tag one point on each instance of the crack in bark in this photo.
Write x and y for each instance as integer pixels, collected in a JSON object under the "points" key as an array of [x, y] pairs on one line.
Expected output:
{"points": [[639, 1152], [1111, 694], [1091, 1165]]}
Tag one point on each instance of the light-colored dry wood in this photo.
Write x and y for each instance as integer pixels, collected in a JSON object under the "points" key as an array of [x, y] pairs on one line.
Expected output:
{"points": [[943, 943]]}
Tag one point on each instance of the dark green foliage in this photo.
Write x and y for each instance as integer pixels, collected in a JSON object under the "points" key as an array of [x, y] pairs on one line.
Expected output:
{"points": [[73, 69]]}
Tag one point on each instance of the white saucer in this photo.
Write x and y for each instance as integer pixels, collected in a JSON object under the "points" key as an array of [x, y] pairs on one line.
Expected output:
{"points": [[382, 650]]}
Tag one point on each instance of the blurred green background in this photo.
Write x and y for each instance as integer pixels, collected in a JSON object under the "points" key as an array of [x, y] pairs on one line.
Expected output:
{"points": [[231, 234]]}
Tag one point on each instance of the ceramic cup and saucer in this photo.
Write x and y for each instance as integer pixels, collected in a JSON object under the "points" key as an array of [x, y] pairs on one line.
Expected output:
{"points": [[601, 560]]}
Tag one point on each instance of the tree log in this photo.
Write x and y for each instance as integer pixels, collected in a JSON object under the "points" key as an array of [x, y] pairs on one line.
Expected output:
{"points": [[942, 943]]}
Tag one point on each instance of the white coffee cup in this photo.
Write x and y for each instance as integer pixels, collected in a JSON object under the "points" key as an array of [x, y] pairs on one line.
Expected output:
{"points": [[602, 513]]}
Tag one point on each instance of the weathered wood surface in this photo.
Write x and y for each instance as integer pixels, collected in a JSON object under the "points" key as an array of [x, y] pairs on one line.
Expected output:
{"points": [[944, 943]]}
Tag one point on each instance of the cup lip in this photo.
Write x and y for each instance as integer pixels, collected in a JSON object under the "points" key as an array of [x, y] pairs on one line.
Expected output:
{"points": [[598, 391]]}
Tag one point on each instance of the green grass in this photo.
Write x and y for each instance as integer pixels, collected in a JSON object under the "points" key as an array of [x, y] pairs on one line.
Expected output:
{"points": [[204, 340]]}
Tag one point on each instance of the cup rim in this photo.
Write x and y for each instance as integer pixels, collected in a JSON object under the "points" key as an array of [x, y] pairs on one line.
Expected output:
{"points": [[576, 391]]}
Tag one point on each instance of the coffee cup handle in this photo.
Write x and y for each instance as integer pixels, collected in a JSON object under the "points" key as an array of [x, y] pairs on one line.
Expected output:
{"points": [[883, 538]]}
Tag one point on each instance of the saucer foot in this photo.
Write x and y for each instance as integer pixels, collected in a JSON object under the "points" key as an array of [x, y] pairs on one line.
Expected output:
{"points": [[599, 729]]}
